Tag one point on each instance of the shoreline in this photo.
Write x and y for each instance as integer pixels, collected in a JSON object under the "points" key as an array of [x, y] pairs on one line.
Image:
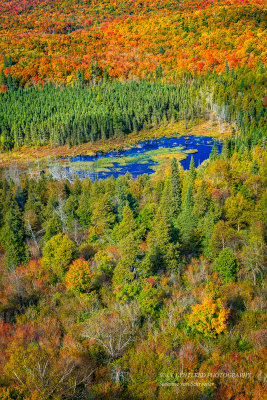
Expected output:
{"points": [[43, 154]]}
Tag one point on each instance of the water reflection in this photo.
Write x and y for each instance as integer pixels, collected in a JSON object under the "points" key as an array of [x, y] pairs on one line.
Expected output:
{"points": [[137, 159]]}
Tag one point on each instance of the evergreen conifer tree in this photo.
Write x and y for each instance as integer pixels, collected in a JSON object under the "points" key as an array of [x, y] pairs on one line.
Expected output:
{"points": [[192, 171], [214, 152], [163, 252], [127, 224], [13, 236], [255, 168], [175, 187], [53, 227], [3, 78], [187, 220]]}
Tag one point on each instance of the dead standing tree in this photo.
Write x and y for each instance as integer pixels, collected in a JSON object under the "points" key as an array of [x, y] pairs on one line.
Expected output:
{"points": [[113, 329], [13, 174]]}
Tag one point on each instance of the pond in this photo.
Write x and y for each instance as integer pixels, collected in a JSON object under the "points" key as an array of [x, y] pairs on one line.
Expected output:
{"points": [[142, 158]]}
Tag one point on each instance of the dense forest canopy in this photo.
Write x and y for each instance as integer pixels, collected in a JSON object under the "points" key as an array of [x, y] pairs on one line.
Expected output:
{"points": [[52, 40], [82, 113], [94, 274], [89, 111], [147, 288]]}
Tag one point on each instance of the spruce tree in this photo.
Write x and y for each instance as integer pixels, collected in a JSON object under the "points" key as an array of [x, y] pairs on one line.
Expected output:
{"points": [[226, 149], [52, 203], [52, 227], [159, 71], [10, 82], [192, 171], [226, 67], [33, 213], [175, 188], [3, 78], [77, 187], [84, 210], [214, 152], [121, 188], [186, 219], [255, 168], [71, 207], [103, 216], [166, 199], [212, 215], [200, 201], [80, 78], [127, 224], [163, 253], [13, 237], [5, 199]]}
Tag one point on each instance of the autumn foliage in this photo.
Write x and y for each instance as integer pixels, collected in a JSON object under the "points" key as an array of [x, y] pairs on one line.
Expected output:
{"points": [[128, 39], [209, 318], [79, 278], [121, 288]]}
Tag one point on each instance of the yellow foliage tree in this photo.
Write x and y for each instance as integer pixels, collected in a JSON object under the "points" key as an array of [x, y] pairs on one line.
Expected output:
{"points": [[209, 318], [79, 278], [58, 253]]}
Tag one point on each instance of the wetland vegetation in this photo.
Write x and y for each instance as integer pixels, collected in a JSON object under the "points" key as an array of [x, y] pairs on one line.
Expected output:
{"points": [[141, 158]]}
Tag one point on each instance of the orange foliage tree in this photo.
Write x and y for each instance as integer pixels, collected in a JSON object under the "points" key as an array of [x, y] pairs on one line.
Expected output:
{"points": [[79, 278], [209, 318]]}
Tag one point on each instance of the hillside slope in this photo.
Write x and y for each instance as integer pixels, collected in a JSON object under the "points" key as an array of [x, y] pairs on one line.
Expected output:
{"points": [[52, 40]]}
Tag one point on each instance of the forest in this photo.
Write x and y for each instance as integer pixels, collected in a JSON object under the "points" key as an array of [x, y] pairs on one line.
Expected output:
{"points": [[111, 289], [121, 288], [79, 113], [51, 40], [89, 111]]}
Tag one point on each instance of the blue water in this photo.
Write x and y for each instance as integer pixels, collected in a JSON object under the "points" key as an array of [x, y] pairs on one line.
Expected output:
{"points": [[144, 164]]}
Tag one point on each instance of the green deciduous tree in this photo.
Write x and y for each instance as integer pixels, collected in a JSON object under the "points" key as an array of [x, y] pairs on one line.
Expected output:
{"points": [[150, 297], [223, 236], [58, 253], [254, 255], [237, 210]]}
